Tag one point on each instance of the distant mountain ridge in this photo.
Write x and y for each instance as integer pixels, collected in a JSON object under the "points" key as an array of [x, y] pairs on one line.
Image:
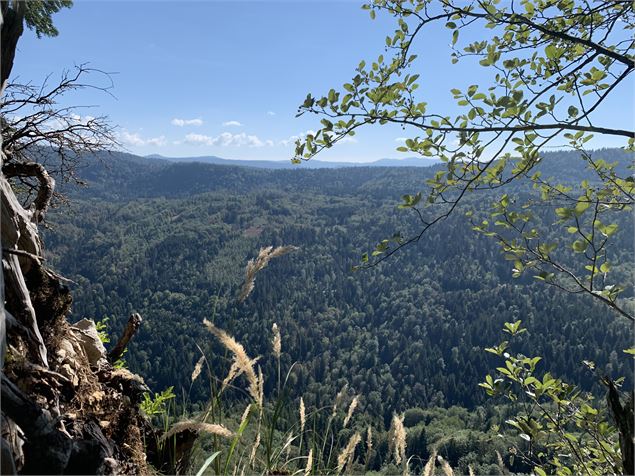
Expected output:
{"points": [[310, 164], [122, 176]]}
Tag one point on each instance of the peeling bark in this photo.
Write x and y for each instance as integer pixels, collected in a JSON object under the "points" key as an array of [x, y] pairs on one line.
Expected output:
{"points": [[18, 303]]}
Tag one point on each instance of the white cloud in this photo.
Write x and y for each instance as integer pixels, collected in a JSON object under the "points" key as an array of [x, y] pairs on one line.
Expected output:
{"points": [[61, 122], [271, 113], [401, 139], [227, 139], [198, 139], [302, 135], [135, 139], [292, 139], [156, 141], [131, 138], [232, 123], [186, 122], [82, 119]]}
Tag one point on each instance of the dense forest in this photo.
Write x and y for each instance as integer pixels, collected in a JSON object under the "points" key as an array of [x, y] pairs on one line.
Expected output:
{"points": [[464, 310], [170, 241]]}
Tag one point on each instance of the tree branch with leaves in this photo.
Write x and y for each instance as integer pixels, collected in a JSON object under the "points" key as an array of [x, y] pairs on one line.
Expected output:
{"points": [[553, 65]]}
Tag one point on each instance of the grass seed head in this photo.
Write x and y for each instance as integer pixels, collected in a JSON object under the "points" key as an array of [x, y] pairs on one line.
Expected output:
{"points": [[277, 341], [309, 463], [399, 438], [347, 454], [351, 409], [259, 263], [197, 426], [241, 361], [302, 415], [428, 469], [197, 368], [445, 467]]}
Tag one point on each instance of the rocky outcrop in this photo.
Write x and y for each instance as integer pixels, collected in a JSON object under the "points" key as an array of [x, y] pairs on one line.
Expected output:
{"points": [[65, 408], [86, 335]]}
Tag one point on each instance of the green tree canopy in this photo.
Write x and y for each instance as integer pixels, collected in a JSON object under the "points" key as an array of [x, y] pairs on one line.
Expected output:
{"points": [[553, 64]]}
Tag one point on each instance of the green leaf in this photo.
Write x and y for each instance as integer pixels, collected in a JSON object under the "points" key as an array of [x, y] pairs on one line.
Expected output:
{"points": [[609, 230], [207, 462], [581, 207], [235, 440], [564, 212], [552, 51], [579, 246], [513, 328]]}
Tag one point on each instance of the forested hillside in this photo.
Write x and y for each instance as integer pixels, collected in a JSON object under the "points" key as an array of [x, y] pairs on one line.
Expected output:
{"points": [[241, 278], [170, 241]]}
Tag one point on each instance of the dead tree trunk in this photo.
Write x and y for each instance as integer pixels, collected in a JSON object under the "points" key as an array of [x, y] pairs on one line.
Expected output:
{"points": [[131, 328], [66, 416], [12, 23], [45, 189]]}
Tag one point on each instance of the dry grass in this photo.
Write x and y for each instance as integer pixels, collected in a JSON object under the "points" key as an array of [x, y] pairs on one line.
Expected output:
{"points": [[428, 469], [399, 438], [234, 372], [245, 415], [197, 368], [302, 415], [351, 409], [445, 467], [254, 448], [241, 362], [347, 454], [197, 426], [261, 389], [277, 341], [338, 398], [259, 263], [309, 463]]}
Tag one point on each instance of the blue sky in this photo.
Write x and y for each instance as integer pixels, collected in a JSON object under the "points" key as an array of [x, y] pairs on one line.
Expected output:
{"points": [[225, 78]]}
